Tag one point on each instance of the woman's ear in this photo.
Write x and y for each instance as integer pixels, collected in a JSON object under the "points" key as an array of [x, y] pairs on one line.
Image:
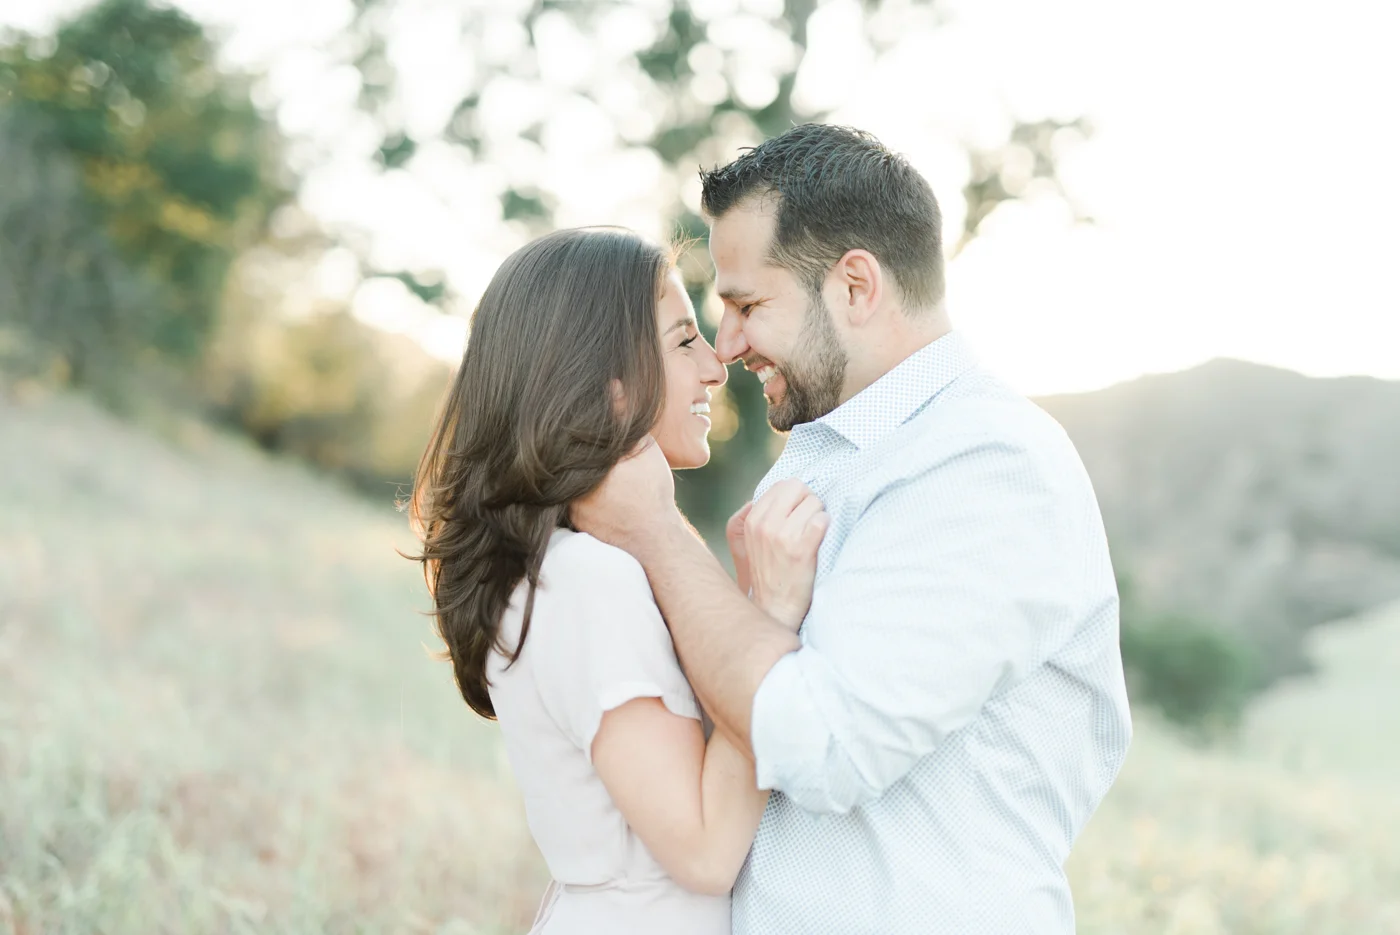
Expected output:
{"points": [[619, 398]]}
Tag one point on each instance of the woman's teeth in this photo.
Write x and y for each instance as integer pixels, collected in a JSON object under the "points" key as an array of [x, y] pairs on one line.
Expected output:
{"points": [[700, 409], [765, 373]]}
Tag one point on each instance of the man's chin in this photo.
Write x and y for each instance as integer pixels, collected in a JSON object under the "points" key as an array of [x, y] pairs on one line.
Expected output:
{"points": [[792, 407], [780, 417]]}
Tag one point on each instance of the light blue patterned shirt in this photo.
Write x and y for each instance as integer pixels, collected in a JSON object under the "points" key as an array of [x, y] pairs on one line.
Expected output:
{"points": [[957, 709]]}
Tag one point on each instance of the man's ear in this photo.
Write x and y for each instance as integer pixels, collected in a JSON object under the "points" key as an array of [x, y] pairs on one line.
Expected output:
{"points": [[859, 287]]}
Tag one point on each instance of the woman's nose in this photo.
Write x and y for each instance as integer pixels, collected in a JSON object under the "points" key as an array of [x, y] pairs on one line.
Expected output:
{"points": [[712, 370], [729, 339]]}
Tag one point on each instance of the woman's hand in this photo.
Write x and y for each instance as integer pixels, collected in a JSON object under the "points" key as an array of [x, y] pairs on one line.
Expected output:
{"points": [[738, 547], [781, 535]]}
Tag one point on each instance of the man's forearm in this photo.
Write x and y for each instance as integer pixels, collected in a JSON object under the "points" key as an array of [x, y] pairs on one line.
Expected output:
{"points": [[726, 645]]}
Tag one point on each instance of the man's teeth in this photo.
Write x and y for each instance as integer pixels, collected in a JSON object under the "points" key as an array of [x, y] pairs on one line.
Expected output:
{"points": [[765, 373], [700, 409]]}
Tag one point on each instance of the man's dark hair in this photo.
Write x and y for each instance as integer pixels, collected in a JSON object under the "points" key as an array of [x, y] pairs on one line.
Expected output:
{"points": [[839, 189]]}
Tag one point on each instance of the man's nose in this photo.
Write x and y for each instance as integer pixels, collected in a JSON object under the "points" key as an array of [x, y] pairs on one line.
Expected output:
{"points": [[729, 339]]}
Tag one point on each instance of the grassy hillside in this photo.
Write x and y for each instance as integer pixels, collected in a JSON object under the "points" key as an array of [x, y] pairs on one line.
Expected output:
{"points": [[217, 714], [1252, 497], [1294, 829]]}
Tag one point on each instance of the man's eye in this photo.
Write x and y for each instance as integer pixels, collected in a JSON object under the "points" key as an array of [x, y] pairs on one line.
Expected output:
{"points": [[745, 309]]}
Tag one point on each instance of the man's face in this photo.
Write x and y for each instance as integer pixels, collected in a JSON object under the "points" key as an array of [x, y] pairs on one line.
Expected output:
{"points": [[782, 333]]}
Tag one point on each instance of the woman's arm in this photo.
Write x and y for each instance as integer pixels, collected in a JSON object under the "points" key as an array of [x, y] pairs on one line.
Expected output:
{"points": [[694, 804]]}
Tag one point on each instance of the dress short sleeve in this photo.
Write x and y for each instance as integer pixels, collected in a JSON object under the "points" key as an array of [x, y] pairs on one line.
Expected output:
{"points": [[614, 645]]}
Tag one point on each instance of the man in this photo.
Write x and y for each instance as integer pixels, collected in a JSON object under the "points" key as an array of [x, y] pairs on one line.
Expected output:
{"points": [[953, 710]]}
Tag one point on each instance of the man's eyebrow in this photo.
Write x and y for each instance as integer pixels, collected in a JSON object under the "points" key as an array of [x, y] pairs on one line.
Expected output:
{"points": [[681, 323], [735, 295]]}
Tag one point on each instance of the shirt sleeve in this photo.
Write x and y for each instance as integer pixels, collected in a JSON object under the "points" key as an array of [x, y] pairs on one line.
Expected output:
{"points": [[615, 647], [954, 582]]}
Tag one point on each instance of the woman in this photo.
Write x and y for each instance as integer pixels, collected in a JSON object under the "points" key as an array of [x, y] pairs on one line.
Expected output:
{"points": [[583, 345]]}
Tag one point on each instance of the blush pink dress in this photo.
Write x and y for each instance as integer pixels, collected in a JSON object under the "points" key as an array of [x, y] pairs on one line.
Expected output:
{"points": [[596, 640]]}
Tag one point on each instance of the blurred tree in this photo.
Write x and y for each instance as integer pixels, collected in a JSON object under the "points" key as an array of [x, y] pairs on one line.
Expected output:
{"points": [[314, 382], [179, 170], [1197, 674], [695, 81], [68, 300], [336, 392], [135, 231]]}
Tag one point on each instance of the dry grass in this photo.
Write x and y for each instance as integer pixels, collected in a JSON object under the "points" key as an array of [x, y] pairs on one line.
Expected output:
{"points": [[1240, 841], [217, 715], [216, 710]]}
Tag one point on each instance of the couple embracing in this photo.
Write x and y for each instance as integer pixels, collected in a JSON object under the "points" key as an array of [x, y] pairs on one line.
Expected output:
{"points": [[901, 715]]}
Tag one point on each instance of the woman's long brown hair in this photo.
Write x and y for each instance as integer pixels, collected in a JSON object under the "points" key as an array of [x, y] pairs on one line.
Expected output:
{"points": [[532, 422]]}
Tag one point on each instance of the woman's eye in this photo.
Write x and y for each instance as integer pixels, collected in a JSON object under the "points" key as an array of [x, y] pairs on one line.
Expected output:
{"points": [[689, 341]]}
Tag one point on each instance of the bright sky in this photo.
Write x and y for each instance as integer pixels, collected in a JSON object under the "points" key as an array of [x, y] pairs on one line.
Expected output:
{"points": [[1242, 174]]}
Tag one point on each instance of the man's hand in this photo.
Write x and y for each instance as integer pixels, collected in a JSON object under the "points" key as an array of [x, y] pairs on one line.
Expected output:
{"points": [[782, 533], [637, 496]]}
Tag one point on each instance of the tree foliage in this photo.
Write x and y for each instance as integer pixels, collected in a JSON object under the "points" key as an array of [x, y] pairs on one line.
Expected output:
{"points": [[67, 298], [178, 169], [172, 175], [704, 80], [1197, 674]]}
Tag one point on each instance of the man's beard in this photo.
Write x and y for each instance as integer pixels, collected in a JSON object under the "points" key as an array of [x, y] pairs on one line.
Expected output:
{"points": [[814, 375]]}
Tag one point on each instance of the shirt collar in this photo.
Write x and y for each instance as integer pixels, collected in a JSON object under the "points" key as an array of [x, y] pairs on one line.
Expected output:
{"points": [[890, 401]]}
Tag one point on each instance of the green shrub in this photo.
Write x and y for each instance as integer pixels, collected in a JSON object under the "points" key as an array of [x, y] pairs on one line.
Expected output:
{"points": [[1199, 676]]}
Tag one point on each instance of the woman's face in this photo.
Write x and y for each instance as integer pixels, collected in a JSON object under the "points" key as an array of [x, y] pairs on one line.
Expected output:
{"points": [[692, 369]]}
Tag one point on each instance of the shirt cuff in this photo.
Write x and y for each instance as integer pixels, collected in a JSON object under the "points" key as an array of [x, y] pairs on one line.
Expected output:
{"points": [[788, 734]]}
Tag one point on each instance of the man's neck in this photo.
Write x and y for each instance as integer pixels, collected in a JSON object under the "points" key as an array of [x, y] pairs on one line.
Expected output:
{"points": [[905, 337]]}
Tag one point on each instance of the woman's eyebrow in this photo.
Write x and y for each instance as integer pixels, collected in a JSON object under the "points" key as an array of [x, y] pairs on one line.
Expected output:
{"points": [[681, 323]]}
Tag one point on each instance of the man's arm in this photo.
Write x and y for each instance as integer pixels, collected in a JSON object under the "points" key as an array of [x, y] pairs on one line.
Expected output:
{"points": [[956, 582]]}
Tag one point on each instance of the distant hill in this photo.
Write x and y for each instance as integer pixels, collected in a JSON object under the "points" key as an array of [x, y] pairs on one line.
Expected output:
{"points": [[1248, 495]]}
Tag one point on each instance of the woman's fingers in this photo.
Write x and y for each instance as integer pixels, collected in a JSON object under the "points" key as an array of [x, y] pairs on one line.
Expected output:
{"points": [[775, 505], [735, 526], [815, 531], [738, 545], [782, 534], [795, 529]]}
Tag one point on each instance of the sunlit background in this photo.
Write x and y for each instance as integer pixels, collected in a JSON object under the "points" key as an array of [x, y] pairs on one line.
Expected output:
{"points": [[239, 244]]}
